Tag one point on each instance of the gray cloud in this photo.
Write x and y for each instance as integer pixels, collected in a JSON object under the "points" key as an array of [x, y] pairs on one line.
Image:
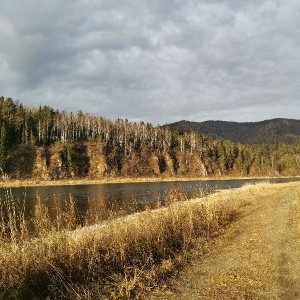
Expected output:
{"points": [[158, 61]]}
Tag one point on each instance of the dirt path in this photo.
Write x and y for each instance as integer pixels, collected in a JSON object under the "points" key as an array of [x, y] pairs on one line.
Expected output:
{"points": [[258, 258]]}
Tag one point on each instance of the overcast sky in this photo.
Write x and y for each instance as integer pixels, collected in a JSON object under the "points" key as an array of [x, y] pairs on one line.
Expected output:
{"points": [[158, 61]]}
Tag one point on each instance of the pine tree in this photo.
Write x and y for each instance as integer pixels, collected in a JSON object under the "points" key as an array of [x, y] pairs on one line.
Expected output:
{"points": [[3, 146]]}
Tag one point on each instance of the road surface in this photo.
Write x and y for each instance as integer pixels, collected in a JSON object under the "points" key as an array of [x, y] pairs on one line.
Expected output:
{"points": [[257, 258]]}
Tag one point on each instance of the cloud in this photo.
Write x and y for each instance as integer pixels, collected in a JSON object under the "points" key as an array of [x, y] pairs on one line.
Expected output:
{"points": [[157, 61]]}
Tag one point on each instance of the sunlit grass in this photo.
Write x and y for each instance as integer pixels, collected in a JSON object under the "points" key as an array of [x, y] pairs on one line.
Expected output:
{"points": [[123, 258]]}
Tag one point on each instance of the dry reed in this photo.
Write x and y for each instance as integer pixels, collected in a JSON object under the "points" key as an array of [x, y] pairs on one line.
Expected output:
{"points": [[125, 258]]}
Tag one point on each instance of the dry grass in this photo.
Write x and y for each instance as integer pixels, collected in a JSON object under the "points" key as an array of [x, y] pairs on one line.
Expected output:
{"points": [[125, 258]]}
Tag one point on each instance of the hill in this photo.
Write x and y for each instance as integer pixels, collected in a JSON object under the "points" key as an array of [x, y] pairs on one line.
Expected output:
{"points": [[43, 143], [274, 131]]}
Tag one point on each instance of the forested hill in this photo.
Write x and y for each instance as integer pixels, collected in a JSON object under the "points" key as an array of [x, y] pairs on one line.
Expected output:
{"points": [[44, 143], [275, 131]]}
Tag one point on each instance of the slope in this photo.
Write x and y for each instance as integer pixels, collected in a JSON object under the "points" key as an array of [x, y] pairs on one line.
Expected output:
{"points": [[273, 131]]}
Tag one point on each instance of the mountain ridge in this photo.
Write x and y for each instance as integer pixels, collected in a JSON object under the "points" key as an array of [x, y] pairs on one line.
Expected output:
{"points": [[272, 131], [43, 143]]}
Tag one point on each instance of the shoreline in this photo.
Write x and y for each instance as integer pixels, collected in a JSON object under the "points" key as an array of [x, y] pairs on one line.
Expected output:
{"points": [[114, 180], [128, 249]]}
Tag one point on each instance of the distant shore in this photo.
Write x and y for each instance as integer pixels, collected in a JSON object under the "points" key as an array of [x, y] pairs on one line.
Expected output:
{"points": [[112, 180]]}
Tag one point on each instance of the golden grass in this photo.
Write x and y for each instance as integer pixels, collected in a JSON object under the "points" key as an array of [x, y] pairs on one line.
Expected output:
{"points": [[125, 258]]}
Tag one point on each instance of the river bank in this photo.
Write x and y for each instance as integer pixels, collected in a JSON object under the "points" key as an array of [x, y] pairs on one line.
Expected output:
{"points": [[129, 258], [112, 180], [257, 258]]}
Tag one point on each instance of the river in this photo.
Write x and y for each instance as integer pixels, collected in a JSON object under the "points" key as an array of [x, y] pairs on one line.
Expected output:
{"points": [[129, 197]]}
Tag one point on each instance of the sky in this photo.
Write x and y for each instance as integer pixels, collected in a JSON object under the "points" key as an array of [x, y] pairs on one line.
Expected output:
{"points": [[157, 61]]}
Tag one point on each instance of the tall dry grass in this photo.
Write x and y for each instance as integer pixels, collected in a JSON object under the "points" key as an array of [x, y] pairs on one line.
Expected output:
{"points": [[125, 258]]}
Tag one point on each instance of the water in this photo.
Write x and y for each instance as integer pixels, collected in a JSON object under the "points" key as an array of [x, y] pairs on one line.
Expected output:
{"points": [[130, 197]]}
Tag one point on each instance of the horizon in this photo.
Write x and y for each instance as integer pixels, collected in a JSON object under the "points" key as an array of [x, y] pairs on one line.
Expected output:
{"points": [[156, 61], [238, 121], [145, 121]]}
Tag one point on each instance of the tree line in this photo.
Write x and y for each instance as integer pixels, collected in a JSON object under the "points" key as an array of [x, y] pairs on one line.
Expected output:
{"points": [[44, 127]]}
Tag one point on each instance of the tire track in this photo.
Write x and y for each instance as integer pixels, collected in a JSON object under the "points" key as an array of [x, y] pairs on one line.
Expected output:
{"points": [[258, 258]]}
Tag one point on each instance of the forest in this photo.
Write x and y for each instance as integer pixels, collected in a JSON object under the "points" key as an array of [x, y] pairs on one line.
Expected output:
{"points": [[41, 142], [272, 131]]}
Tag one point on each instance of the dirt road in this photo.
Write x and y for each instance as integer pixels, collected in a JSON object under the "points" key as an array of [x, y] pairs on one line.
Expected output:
{"points": [[258, 257]]}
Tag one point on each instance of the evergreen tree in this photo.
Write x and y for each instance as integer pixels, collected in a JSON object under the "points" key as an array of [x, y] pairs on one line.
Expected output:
{"points": [[3, 146]]}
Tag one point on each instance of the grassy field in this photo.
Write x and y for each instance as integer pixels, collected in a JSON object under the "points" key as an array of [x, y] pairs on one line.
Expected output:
{"points": [[124, 258]]}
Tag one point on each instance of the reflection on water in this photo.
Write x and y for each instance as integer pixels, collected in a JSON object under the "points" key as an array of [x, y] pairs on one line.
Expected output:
{"points": [[129, 197]]}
